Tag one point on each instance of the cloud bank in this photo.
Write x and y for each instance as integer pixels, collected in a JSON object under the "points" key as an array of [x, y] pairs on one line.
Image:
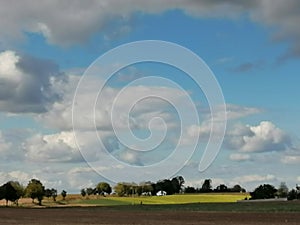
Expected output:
{"points": [[66, 24]]}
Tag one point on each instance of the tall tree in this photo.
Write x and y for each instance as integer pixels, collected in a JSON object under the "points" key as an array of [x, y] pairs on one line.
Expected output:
{"points": [[35, 189], [64, 194], [206, 186]]}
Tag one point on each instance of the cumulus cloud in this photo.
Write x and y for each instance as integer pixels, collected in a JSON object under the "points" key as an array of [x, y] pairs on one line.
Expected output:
{"points": [[50, 18], [261, 138], [26, 83], [233, 112], [59, 147]]}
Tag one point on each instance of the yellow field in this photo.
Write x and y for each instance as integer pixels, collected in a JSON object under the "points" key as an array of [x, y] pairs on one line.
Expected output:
{"points": [[169, 199]]}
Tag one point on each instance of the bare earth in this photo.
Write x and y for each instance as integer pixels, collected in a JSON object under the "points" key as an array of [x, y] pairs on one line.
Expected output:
{"points": [[98, 215]]}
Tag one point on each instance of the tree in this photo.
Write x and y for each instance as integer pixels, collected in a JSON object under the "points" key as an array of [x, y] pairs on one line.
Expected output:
{"points": [[83, 192], [265, 191], [64, 194], [221, 188], [120, 189], [35, 189], [48, 193], [293, 194], [283, 190], [165, 185], [54, 194], [20, 191], [178, 183], [103, 188], [89, 191], [206, 186], [237, 188], [11, 191], [51, 193]]}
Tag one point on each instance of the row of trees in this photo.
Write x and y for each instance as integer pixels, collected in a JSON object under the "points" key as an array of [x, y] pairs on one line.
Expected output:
{"points": [[13, 191], [267, 191], [169, 186], [101, 188], [207, 188]]}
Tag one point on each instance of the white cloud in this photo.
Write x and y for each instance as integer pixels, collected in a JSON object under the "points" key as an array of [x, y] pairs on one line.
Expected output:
{"points": [[50, 18], [239, 157], [203, 130], [298, 178], [59, 147], [261, 138], [254, 178], [235, 111]]}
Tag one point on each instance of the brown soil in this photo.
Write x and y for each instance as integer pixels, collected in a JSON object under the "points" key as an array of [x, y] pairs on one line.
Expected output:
{"points": [[102, 215]]}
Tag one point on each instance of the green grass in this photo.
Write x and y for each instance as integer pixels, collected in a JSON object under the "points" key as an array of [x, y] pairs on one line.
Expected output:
{"points": [[164, 200]]}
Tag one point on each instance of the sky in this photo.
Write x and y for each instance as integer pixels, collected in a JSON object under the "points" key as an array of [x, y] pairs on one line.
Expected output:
{"points": [[68, 120]]}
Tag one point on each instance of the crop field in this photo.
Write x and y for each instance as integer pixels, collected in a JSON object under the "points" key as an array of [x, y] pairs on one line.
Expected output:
{"points": [[162, 200]]}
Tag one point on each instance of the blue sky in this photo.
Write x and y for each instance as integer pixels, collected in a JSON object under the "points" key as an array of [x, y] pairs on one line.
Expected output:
{"points": [[252, 48]]}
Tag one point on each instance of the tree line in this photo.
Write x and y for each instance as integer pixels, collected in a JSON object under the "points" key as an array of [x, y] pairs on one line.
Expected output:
{"points": [[169, 186], [12, 191], [268, 191]]}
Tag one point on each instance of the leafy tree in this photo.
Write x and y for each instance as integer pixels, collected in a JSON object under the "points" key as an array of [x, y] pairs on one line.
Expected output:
{"points": [[283, 190], [237, 188], [165, 185], [64, 194], [175, 185], [206, 186], [103, 188], [51, 193], [83, 192], [120, 189], [265, 191], [126, 189], [221, 188], [292, 195], [90, 191], [35, 189], [11, 191]]}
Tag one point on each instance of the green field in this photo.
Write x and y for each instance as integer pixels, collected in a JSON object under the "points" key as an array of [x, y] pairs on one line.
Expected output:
{"points": [[163, 200]]}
